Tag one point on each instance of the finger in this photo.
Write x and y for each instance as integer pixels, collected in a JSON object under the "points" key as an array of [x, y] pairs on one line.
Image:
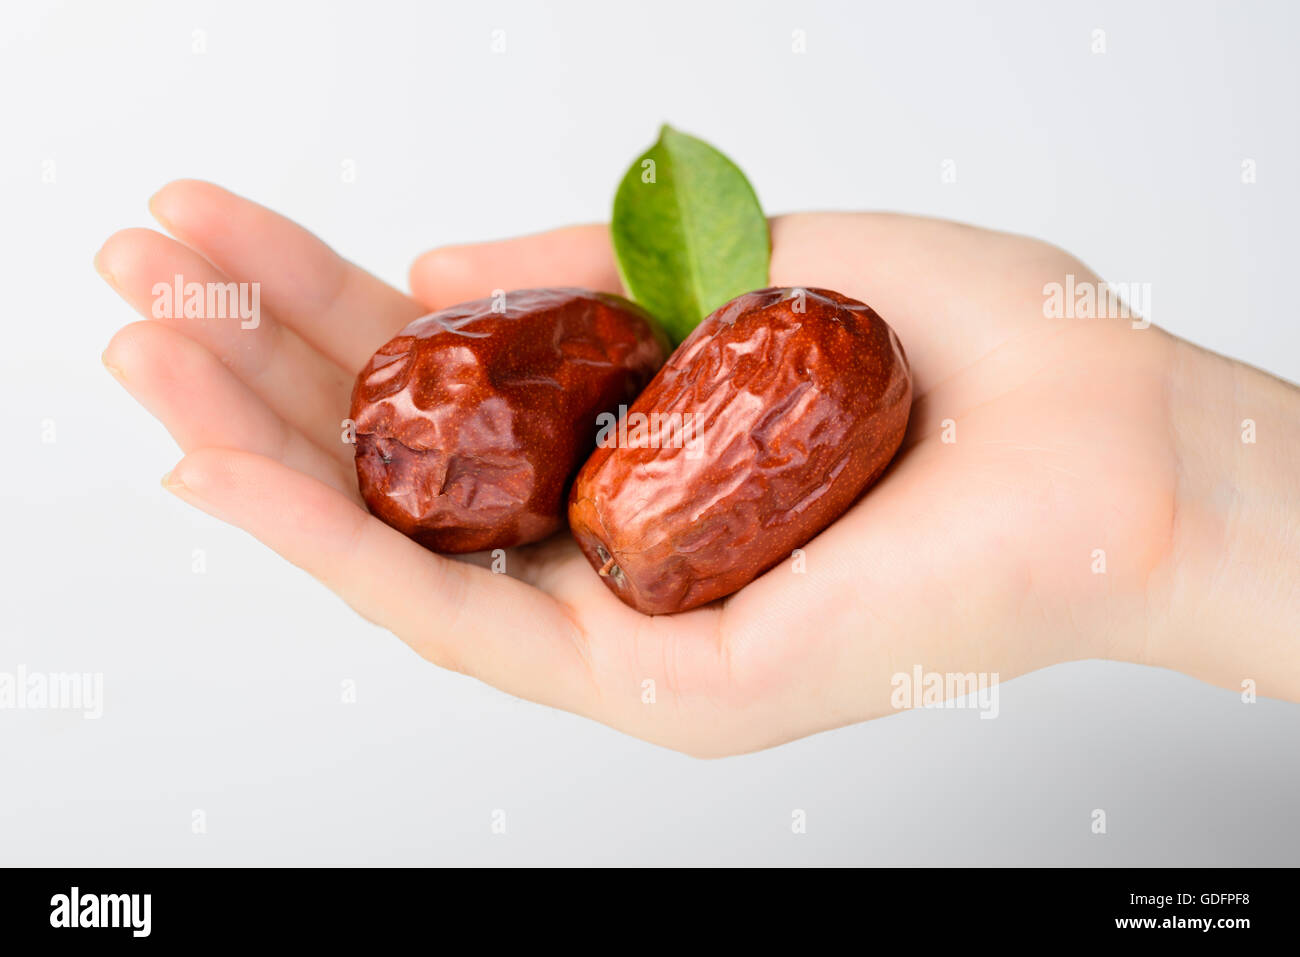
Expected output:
{"points": [[338, 307], [298, 383], [573, 256], [202, 404], [457, 615]]}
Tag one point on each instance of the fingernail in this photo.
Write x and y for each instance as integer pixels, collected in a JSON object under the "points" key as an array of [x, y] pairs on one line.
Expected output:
{"points": [[156, 214], [113, 370], [104, 271], [172, 484]]}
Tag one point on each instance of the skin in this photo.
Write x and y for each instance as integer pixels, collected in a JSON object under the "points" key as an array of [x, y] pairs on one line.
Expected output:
{"points": [[973, 555]]}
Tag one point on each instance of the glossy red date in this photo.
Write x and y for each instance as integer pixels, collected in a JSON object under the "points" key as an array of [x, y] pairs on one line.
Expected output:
{"points": [[471, 422], [791, 403]]}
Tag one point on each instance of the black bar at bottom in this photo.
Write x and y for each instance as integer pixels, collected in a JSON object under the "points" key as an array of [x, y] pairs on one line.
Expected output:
{"points": [[332, 907]]}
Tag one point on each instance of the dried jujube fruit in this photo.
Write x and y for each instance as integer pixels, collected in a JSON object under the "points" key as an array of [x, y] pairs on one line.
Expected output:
{"points": [[793, 401], [471, 422]]}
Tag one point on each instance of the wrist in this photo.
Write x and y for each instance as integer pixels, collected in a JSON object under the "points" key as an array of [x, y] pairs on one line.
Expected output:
{"points": [[1226, 604]]}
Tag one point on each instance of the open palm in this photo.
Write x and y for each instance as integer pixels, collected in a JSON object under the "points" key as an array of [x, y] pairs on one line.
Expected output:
{"points": [[1037, 448]]}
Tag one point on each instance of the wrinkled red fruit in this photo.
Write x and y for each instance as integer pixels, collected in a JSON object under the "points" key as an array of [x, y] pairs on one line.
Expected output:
{"points": [[471, 422], [799, 400]]}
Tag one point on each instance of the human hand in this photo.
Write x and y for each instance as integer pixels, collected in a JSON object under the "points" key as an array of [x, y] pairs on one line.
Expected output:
{"points": [[977, 554]]}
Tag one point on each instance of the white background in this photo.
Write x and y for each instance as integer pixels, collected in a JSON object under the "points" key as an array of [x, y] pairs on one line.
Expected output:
{"points": [[223, 689]]}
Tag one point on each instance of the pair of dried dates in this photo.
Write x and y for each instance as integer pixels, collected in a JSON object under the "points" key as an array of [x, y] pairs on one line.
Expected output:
{"points": [[761, 429]]}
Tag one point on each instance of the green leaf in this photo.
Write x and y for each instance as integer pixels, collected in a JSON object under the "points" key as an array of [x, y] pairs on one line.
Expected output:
{"points": [[688, 232]]}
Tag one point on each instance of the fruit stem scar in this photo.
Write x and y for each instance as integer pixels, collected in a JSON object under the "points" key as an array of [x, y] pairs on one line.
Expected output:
{"points": [[604, 569]]}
